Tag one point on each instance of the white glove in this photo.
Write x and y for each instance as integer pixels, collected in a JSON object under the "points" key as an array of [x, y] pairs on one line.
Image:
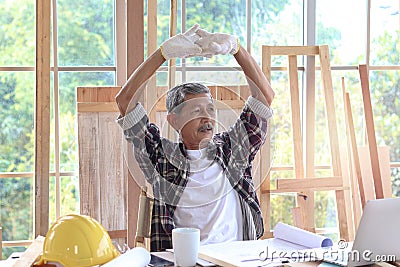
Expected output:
{"points": [[182, 45], [217, 43]]}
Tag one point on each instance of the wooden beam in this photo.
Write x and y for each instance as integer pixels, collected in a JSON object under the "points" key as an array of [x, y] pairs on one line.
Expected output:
{"points": [[369, 120], [309, 183], [353, 142], [97, 107], [42, 117], [172, 31], [135, 34], [295, 50], [29, 257], [151, 92], [333, 137], [306, 205]]}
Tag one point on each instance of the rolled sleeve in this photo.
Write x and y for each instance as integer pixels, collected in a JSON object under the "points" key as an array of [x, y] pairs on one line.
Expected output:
{"points": [[132, 118], [259, 108]]}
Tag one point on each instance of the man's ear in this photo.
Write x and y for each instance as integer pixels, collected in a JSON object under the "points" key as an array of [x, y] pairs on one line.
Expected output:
{"points": [[172, 119]]}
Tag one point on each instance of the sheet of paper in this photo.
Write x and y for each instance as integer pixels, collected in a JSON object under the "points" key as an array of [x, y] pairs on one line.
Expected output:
{"points": [[252, 253]]}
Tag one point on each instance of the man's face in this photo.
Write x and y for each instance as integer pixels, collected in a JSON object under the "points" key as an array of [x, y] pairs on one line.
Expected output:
{"points": [[196, 120]]}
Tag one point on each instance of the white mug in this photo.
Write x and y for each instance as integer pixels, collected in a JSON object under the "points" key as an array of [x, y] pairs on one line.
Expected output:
{"points": [[186, 242]]}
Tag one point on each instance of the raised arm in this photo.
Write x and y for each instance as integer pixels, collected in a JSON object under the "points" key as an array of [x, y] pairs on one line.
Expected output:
{"points": [[180, 45], [131, 91], [260, 88]]}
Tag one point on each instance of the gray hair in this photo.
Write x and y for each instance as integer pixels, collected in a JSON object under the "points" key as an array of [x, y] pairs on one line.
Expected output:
{"points": [[176, 95]]}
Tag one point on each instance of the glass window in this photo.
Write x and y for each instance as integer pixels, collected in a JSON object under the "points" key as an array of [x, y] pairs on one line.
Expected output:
{"points": [[342, 25], [17, 33], [16, 116], [85, 33], [67, 111], [269, 16], [385, 33]]}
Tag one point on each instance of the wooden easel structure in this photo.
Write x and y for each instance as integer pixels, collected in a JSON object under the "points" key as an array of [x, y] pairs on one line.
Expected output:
{"points": [[305, 183]]}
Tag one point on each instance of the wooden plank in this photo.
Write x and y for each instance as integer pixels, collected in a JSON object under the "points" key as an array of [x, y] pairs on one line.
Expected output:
{"points": [[97, 107], [296, 118], [354, 171], [89, 179], [369, 120], [309, 189], [111, 184], [333, 137], [135, 34], [303, 184], [227, 93], [96, 93], [266, 61], [42, 117], [298, 218], [306, 206], [352, 197], [265, 199], [354, 151], [384, 163], [348, 194], [86, 94], [107, 94], [309, 131], [367, 174], [151, 92], [294, 50], [172, 31], [117, 234], [31, 254]]}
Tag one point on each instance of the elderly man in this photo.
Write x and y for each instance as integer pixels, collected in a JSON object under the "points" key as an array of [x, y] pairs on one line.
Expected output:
{"points": [[204, 179]]}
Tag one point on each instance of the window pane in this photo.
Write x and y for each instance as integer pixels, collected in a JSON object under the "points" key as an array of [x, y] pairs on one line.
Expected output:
{"points": [[281, 121], [342, 25], [86, 33], [385, 98], [219, 16], [69, 197], [67, 111], [17, 33], [16, 120], [276, 22], [16, 209], [385, 34]]}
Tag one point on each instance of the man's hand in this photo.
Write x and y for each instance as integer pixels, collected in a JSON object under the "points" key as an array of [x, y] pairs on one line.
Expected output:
{"points": [[182, 45], [217, 43]]}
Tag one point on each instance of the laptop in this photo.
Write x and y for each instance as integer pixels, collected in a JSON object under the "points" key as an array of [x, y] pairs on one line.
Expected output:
{"points": [[377, 238]]}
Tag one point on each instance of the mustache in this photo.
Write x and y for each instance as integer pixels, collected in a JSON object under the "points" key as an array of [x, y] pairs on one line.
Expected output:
{"points": [[206, 126]]}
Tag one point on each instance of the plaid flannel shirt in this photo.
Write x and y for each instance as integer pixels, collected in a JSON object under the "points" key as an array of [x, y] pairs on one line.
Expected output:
{"points": [[166, 167]]}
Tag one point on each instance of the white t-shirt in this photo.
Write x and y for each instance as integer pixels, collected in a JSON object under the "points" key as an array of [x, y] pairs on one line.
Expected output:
{"points": [[209, 202]]}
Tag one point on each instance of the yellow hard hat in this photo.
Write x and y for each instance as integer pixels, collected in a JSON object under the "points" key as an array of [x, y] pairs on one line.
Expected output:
{"points": [[78, 241]]}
